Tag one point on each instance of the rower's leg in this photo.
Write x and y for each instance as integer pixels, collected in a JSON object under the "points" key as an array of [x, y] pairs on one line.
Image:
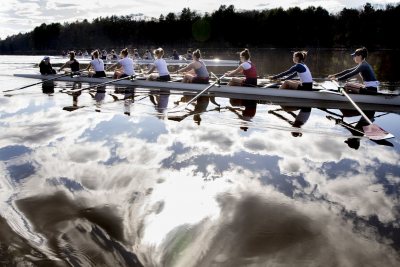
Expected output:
{"points": [[290, 85], [187, 78], [152, 77], [236, 81]]}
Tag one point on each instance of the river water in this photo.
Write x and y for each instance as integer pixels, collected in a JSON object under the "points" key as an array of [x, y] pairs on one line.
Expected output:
{"points": [[98, 180]]}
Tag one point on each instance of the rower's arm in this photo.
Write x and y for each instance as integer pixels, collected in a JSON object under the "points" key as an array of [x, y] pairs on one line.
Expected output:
{"points": [[112, 66], [65, 65], [62, 67], [344, 75], [88, 67], [236, 71], [291, 76], [291, 71], [345, 72], [151, 69], [187, 68]]}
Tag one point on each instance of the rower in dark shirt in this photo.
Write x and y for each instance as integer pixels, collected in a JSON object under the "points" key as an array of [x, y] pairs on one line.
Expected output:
{"points": [[73, 64], [45, 66], [370, 83], [175, 55]]}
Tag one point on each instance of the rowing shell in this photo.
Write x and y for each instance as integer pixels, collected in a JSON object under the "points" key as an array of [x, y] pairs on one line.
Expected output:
{"points": [[208, 62], [256, 92]]}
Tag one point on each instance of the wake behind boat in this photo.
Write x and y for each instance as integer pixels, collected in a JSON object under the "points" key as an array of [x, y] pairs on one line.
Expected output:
{"points": [[317, 95]]}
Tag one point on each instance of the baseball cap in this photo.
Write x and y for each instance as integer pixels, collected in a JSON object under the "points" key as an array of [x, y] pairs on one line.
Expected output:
{"points": [[360, 52]]}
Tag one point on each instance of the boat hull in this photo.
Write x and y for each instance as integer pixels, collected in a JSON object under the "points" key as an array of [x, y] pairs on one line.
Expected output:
{"points": [[256, 92]]}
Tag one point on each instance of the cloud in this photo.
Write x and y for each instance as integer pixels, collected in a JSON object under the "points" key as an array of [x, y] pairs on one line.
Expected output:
{"points": [[263, 5], [63, 5], [58, 11]]}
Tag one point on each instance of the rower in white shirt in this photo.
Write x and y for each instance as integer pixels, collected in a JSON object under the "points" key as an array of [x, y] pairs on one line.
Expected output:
{"points": [[161, 66], [124, 66]]}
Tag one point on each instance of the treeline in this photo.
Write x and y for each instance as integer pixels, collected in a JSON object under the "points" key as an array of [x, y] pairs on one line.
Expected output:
{"points": [[225, 27]]}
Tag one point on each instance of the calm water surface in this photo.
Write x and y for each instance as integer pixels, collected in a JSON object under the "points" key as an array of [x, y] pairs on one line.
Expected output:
{"points": [[99, 180]]}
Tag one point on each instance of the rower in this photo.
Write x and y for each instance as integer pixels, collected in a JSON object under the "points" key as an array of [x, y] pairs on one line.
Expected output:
{"points": [[247, 68], [97, 64], [189, 54], [113, 55], [104, 54], [175, 55], [124, 65], [161, 66], [72, 63], [370, 84], [200, 69], [301, 69], [45, 66], [147, 55], [136, 54]]}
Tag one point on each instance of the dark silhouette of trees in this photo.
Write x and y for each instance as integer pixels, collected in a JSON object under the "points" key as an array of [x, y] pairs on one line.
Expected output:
{"points": [[225, 27], [46, 36]]}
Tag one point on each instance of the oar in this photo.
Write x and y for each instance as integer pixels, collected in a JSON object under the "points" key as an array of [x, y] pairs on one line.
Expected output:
{"points": [[100, 84], [199, 94], [26, 86], [372, 131]]}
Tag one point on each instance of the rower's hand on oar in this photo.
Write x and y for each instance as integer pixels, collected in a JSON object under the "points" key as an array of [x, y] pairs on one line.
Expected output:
{"points": [[335, 81], [331, 77], [273, 79]]}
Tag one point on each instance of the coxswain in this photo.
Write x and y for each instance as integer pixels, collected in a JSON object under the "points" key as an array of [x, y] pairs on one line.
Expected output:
{"points": [[45, 66]]}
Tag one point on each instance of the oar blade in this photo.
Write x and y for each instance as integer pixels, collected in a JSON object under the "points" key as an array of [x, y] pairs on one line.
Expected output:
{"points": [[374, 132]]}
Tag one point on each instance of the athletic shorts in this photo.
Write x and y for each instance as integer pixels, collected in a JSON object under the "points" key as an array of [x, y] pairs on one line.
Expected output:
{"points": [[305, 86], [200, 80], [164, 78], [99, 74], [249, 82]]}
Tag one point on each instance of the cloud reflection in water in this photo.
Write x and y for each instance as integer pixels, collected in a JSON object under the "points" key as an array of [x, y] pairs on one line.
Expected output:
{"points": [[184, 195]]}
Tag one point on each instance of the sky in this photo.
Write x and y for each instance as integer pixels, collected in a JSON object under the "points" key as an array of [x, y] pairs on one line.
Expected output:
{"points": [[24, 15]]}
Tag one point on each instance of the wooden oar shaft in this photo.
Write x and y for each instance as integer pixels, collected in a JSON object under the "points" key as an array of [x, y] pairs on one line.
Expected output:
{"points": [[204, 90], [355, 105]]}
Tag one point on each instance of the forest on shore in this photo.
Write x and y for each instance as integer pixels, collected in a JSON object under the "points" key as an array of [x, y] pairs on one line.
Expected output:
{"points": [[369, 26]]}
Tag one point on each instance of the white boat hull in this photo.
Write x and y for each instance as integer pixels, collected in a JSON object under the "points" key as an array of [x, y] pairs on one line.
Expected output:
{"points": [[256, 92]]}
